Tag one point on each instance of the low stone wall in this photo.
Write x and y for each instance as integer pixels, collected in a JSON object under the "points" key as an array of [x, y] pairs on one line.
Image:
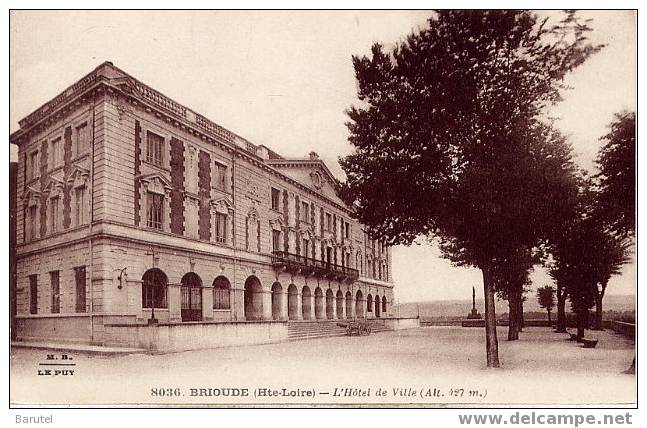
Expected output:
{"points": [[624, 328], [194, 335], [481, 323], [61, 328], [401, 323]]}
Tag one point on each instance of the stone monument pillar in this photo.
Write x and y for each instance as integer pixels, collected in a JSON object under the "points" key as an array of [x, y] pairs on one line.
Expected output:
{"points": [[474, 314]]}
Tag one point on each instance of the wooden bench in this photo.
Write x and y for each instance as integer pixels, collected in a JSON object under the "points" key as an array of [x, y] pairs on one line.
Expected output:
{"points": [[589, 343]]}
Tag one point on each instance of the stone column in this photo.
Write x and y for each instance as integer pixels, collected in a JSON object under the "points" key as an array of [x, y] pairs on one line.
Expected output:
{"points": [[299, 307], [237, 302], [207, 303], [266, 297], [313, 313], [334, 306], [174, 301], [284, 304]]}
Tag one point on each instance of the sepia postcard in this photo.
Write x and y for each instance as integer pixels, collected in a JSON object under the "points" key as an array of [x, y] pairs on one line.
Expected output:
{"points": [[350, 208]]}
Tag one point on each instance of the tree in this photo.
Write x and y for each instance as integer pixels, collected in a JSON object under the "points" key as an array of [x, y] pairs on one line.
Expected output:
{"points": [[617, 178], [546, 299], [448, 142], [613, 253], [558, 272], [512, 281], [616, 161]]}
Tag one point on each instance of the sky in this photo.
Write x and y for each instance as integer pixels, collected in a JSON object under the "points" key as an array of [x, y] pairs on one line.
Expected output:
{"points": [[284, 80]]}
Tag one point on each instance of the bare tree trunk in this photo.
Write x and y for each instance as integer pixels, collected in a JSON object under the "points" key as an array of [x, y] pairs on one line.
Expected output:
{"points": [[582, 322], [513, 308], [520, 303], [561, 309], [549, 320], [491, 342]]}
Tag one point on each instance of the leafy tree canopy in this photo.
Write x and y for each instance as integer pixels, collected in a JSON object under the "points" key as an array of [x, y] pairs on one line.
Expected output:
{"points": [[447, 139], [616, 161]]}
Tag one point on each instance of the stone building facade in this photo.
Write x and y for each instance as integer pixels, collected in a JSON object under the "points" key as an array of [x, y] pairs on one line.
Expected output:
{"points": [[135, 211]]}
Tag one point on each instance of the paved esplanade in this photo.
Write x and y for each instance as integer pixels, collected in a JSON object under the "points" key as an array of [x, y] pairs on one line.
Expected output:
{"points": [[541, 367]]}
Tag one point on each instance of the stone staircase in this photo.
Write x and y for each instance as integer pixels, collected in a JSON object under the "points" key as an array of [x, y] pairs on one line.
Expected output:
{"points": [[301, 330]]}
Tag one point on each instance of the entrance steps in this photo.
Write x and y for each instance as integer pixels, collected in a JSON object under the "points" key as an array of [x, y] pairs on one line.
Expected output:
{"points": [[301, 330]]}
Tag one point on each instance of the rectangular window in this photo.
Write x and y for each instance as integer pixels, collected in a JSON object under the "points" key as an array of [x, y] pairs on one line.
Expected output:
{"points": [[221, 176], [79, 208], [305, 248], [155, 209], [154, 148], [276, 240], [347, 230], [30, 231], [33, 165], [79, 278], [304, 212], [328, 221], [56, 156], [33, 294], [82, 139], [275, 198], [56, 291], [221, 227], [53, 215]]}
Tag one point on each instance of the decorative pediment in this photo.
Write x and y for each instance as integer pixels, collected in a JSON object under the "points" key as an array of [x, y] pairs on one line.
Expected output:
{"points": [[252, 214], [156, 183], [54, 186], [277, 223], [307, 234], [190, 196], [329, 236], [31, 196], [348, 248], [222, 205], [78, 176]]}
